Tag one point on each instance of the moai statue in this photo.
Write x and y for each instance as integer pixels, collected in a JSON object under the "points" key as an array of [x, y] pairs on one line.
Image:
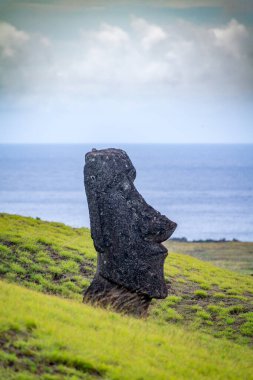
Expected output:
{"points": [[127, 235]]}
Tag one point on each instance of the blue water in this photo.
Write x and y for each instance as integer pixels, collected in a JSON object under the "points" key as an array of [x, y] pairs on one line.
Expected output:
{"points": [[206, 189]]}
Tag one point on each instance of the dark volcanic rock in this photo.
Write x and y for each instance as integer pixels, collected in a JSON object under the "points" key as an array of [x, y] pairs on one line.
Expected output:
{"points": [[127, 235]]}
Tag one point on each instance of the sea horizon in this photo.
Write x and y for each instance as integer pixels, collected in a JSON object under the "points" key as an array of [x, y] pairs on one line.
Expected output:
{"points": [[206, 188]]}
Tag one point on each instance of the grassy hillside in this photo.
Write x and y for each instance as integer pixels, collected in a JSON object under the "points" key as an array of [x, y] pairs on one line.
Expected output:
{"points": [[49, 338], [57, 259], [236, 256]]}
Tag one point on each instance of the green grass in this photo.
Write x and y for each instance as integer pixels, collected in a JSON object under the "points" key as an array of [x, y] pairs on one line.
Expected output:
{"points": [[49, 338], [199, 285], [48, 257], [60, 260]]}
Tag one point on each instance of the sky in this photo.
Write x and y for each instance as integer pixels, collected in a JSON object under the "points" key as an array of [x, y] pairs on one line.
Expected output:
{"points": [[154, 71]]}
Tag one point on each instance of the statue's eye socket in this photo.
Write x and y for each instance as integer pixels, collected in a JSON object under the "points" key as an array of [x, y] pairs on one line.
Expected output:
{"points": [[92, 177]]}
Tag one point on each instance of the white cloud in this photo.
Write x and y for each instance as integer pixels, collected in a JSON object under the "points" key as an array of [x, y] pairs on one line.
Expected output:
{"points": [[110, 35], [232, 37], [145, 58], [11, 39], [45, 41], [149, 34]]}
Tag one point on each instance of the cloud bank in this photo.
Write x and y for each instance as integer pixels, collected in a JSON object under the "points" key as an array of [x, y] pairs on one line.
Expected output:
{"points": [[145, 58]]}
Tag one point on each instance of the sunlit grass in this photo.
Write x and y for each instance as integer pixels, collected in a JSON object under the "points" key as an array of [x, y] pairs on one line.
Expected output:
{"points": [[57, 259], [45, 337]]}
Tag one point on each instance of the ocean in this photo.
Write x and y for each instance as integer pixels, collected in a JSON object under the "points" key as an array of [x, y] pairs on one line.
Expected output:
{"points": [[206, 189]]}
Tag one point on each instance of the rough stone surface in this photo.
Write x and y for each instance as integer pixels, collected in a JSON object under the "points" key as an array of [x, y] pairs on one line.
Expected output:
{"points": [[127, 235]]}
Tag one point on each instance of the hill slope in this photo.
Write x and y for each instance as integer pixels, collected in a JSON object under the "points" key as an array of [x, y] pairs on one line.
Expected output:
{"points": [[233, 255], [49, 338], [57, 259]]}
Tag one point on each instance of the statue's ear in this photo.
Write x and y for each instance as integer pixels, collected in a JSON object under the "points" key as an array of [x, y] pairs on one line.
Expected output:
{"points": [[93, 204], [95, 224]]}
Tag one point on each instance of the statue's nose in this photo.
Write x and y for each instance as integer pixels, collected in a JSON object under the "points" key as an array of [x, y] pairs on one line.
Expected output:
{"points": [[172, 226]]}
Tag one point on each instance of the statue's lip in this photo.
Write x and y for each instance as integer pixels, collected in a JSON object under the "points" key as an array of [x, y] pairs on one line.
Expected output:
{"points": [[157, 249]]}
